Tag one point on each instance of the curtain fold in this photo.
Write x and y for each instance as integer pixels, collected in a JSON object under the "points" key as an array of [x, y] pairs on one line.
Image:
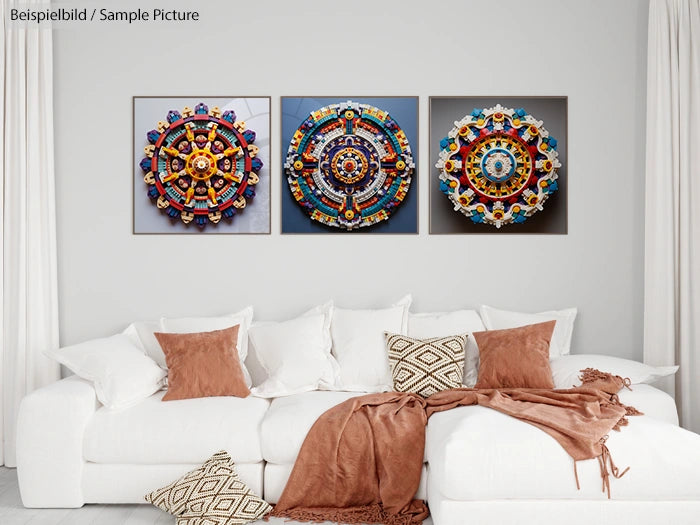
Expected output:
{"points": [[29, 278], [672, 213]]}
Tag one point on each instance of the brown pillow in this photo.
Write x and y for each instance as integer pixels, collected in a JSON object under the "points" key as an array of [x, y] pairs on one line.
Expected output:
{"points": [[516, 357], [203, 364]]}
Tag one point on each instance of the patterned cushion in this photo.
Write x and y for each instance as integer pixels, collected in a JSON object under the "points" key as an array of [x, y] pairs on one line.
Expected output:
{"points": [[210, 495], [426, 366]]}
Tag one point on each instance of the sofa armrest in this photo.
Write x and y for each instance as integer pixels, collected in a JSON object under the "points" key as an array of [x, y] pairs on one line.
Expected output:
{"points": [[50, 427]]}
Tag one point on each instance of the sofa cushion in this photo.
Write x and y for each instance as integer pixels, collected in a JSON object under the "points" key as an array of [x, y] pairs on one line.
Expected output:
{"points": [[290, 418], [358, 345], [439, 324], [515, 357], [203, 364], [426, 366], [476, 453], [185, 431], [296, 354], [276, 477], [105, 483]]}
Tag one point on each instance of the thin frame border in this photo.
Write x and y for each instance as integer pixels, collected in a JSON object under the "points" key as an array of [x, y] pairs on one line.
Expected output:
{"points": [[133, 160], [497, 232], [283, 178]]}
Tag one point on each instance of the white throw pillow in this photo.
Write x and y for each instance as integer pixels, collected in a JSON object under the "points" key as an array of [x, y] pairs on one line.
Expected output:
{"points": [[358, 345], [441, 324], [295, 354], [141, 333], [496, 319], [193, 325], [567, 369], [121, 373]]}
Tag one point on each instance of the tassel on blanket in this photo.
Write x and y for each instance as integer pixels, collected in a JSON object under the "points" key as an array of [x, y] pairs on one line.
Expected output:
{"points": [[629, 411], [608, 467], [605, 381]]}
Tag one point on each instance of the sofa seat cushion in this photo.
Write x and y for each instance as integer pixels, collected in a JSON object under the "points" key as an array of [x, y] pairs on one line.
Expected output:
{"points": [[290, 418], [276, 477], [104, 483], [476, 453], [176, 432]]}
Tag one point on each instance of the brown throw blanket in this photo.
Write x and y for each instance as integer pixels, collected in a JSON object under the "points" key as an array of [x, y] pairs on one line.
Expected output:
{"points": [[361, 462]]}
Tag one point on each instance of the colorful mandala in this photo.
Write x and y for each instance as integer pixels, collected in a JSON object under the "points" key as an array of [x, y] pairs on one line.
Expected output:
{"points": [[349, 165], [498, 165], [201, 165]]}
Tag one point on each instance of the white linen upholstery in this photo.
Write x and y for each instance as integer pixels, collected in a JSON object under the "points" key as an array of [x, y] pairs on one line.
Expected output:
{"points": [[653, 402], [290, 418], [558, 512], [276, 477], [129, 483], [50, 430], [177, 432], [476, 453]]}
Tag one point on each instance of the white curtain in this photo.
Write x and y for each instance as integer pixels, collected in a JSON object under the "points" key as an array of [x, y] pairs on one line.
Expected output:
{"points": [[672, 226], [28, 297]]}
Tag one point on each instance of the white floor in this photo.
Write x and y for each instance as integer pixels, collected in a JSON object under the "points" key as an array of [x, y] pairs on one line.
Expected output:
{"points": [[13, 513]]}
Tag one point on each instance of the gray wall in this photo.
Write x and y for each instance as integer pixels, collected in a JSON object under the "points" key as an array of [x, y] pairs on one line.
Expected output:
{"points": [[593, 52]]}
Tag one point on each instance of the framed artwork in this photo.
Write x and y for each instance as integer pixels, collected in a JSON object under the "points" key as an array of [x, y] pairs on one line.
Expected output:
{"points": [[498, 165], [349, 165], [201, 165]]}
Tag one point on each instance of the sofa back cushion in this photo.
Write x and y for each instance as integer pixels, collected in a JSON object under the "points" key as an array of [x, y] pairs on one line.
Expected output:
{"points": [[496, 319], [295, 354], [359, 348]]}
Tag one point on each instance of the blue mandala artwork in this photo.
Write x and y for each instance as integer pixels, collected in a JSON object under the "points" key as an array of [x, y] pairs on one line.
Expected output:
{"points": [[349, 165]]}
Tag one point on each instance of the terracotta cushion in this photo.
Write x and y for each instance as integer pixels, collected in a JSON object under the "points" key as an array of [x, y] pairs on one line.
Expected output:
{"points": [[515, 357], [203, 364]]}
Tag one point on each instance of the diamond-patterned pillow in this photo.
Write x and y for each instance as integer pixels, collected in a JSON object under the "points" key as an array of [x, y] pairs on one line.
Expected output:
{"points": [[426, 366], [212, 494]]}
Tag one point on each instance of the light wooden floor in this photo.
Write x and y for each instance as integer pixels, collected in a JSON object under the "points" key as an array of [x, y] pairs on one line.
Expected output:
{"points": [[13, 513]]}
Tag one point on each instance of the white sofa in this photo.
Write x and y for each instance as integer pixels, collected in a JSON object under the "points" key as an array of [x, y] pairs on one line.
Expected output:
{"points": [[481, 466]]}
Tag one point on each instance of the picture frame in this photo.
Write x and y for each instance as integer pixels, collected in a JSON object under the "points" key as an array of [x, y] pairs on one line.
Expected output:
{"points": [[444, 214], [403, 218], [252, 211]]}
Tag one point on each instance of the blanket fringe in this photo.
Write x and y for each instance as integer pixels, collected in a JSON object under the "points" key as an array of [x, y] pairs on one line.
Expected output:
{"points": [[591, 375], [607, 467], [352, 515], [629, 411]]}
